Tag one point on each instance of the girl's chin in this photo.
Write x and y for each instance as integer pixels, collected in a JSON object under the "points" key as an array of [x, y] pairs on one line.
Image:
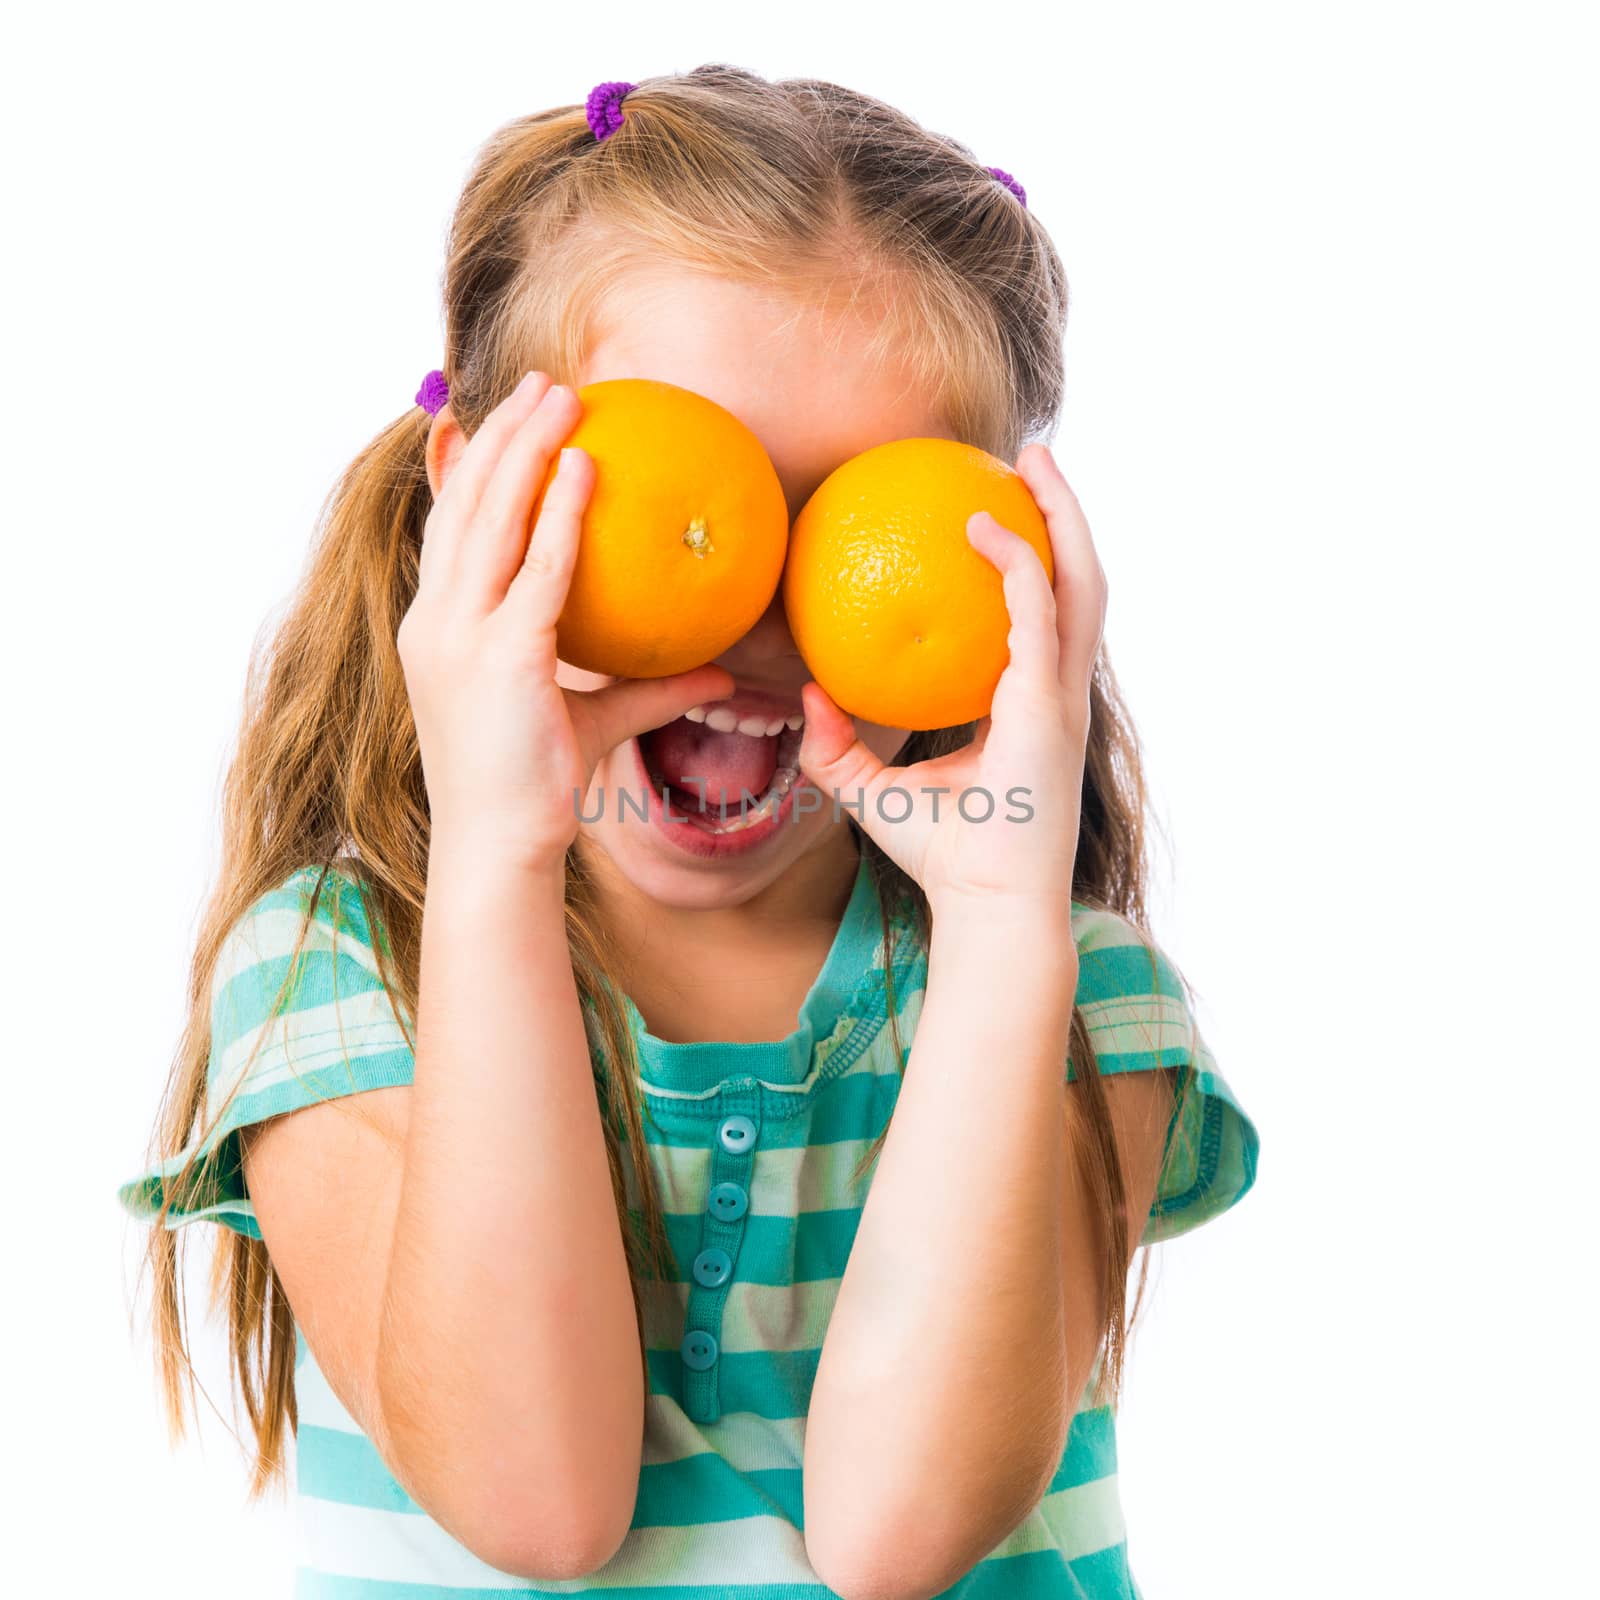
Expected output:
{"points": [[669, 877]]}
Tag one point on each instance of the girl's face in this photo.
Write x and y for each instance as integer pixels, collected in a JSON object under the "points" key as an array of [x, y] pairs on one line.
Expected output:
{"points": [[789, 373]]}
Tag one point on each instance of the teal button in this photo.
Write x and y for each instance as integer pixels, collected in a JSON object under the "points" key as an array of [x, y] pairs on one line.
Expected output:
{"points": [[698, 1350], [711, 1267], [737, 1134], [727, 1202]]}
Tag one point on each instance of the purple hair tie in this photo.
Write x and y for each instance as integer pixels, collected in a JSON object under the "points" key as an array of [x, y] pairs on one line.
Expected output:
{"points": [[604, 107], [1010, 183], [433, 394]]}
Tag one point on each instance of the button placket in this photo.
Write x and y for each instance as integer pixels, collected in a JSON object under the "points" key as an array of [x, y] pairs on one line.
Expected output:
{"points": [[734, 1136]]}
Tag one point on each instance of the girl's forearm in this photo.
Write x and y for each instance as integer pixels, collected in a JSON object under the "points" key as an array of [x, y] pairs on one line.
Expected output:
{"points": [[508, 1356], [940, 1405]]}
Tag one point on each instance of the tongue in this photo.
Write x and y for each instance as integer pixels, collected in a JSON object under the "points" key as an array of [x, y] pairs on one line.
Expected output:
{"points": [[719, 764]]}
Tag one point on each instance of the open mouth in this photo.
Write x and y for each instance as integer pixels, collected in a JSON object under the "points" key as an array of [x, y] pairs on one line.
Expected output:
{"points": [[722, 768]]}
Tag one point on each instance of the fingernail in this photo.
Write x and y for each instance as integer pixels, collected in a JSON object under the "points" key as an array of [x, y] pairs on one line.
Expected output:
{"points": [[528, 381]]}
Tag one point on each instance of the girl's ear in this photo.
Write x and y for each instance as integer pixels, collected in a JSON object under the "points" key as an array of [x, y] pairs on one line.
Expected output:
{"points": [[446, 441]]}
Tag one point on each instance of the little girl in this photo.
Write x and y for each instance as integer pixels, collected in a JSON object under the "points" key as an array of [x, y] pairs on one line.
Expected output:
{"points": [[695, 1204]]}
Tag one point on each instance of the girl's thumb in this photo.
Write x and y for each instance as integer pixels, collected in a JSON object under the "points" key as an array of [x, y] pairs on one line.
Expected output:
{"points": [[831, 756], [632, 706]]}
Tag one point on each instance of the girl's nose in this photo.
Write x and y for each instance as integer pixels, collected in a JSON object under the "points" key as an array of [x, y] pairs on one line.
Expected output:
{"points": [[767, 647]]}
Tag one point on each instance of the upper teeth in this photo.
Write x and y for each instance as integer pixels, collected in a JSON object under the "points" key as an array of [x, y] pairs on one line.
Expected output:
{"points": [[721, 720]]}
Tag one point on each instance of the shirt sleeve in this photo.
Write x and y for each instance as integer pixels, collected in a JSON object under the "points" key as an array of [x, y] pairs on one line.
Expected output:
{"points": [[1140, 1019], [294, 1021]]}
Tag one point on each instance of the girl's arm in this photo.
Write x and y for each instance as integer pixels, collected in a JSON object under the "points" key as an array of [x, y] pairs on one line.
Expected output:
{"points": [[507, 1361], [964, 1331], [452, 1250], [963, 1335], [943, 1397], [471, 1286]]}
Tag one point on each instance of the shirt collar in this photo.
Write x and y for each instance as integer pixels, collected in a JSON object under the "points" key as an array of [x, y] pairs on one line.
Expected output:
{"points": [[696, 1067]]}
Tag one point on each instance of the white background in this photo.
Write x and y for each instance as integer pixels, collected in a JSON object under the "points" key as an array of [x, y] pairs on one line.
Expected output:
{"points": [[1332, 414]]}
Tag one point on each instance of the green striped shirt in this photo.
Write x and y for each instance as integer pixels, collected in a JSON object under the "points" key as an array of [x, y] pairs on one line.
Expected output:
{"points": [[753, 1146]]}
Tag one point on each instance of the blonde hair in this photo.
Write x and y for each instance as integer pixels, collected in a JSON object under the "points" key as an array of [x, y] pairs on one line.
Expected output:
{"points": [[804, 186]]}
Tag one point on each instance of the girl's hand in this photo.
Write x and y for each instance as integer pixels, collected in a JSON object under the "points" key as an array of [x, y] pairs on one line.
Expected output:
{"points": [[504, 748], [1029, 750]]}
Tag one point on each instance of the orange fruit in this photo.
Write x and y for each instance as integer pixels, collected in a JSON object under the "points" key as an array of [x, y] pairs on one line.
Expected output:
{"points": [[896, 615], [683, 537]]}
